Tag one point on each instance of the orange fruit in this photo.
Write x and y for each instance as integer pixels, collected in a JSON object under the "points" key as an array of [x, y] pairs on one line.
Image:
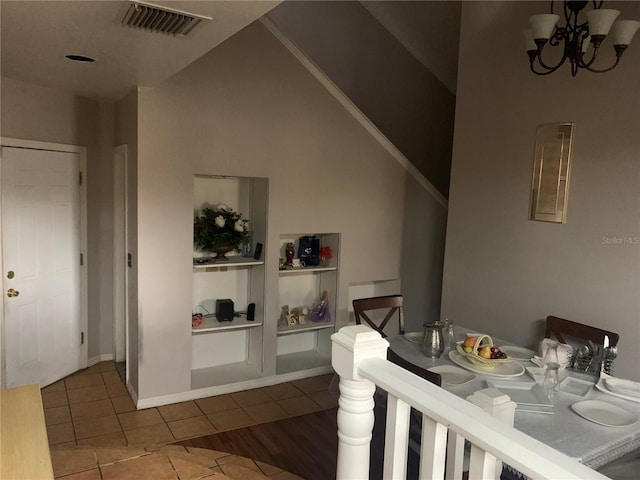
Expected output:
{"points": [[469, 342]]}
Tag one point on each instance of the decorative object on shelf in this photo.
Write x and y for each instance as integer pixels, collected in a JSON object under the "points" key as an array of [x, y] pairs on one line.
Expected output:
{"points": [[292, 321], [320, 311], [219, 230], [281, 265], [224, 310], [197, 320], [325, 255], [575, 37], [308, 249], [289, 253], [303, 313], [284, 316], [296, 263]]}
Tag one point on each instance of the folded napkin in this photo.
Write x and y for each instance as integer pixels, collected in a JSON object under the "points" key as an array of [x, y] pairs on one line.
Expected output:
{"points": [[565, 352]]}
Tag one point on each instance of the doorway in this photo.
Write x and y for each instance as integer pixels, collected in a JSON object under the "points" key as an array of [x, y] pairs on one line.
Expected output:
{"points": [[44, 273], [120, 259]]}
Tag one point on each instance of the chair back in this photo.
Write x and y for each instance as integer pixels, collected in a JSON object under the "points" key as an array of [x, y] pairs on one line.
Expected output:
{"points": [[559, 327], [432, 377], [391, 303]]}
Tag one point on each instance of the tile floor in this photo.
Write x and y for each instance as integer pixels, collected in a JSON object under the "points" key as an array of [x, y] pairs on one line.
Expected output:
{"points": [[93, 408], [171, 462]]}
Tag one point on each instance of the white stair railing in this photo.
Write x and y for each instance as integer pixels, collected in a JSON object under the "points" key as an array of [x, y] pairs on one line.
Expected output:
{"points": [[359, 358]]}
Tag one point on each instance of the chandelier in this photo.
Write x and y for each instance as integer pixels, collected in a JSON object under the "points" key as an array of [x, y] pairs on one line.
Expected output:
{"points": [[575, 37]]}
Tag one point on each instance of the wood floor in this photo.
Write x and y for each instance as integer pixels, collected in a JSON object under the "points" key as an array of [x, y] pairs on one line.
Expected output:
{"points": [[306, 445]]}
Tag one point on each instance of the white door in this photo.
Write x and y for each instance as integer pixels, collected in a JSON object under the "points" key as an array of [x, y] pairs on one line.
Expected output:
{"points": [[41, 262]]}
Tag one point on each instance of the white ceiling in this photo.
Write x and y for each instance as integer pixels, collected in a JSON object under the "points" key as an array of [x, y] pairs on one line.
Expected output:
{"points": [[36, 36]]}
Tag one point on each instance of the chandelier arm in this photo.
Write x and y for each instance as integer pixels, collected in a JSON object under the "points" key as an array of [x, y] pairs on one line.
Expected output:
{"points": [[541, 73], [586, 65], [594, 70]]}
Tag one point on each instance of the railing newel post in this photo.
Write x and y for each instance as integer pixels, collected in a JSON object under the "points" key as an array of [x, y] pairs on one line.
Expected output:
{"points": [[350, 345]]}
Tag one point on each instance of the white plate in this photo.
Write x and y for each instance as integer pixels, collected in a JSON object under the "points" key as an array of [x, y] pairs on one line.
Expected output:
{"points": [[510, 369], [601, 386], [523, 393], [575, 386], [625, 387], [414, 337], [604, 413], [517, 353], [450, 375]]}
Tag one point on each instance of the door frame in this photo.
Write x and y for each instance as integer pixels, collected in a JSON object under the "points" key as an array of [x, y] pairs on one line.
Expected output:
{"points": [[84, 268], [120, 249]]}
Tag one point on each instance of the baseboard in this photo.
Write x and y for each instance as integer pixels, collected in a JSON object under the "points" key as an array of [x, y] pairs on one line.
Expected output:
{"points": [[100, 358], [224, 389]]}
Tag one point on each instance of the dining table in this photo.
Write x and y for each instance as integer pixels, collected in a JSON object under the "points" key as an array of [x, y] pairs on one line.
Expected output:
{"points": [[557, 425]]}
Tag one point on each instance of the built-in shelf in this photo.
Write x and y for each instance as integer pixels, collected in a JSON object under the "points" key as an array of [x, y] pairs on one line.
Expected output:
{"points": [[232, 262], [304, 328], [306, 270], [211, 324], [307, 360], [224, 374]]}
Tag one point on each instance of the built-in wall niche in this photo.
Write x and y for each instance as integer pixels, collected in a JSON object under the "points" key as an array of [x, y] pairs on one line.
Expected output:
{"points": [[227, 352], [307, 346]]}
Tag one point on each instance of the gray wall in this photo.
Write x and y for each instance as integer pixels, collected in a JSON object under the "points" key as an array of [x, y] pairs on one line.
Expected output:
{"points": [[249, 108], [503, 273], [42, 114], [409, 105]]}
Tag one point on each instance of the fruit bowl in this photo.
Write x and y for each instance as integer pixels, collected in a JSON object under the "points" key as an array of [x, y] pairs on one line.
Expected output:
{"points": [[473, 357]]}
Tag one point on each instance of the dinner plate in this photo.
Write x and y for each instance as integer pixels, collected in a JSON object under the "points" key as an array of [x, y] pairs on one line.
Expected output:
{"points": [[414, 337], [626, 387], [510, 369], [523, 393], [602, 387], [604, 413], [518, 353], [450, 375]]}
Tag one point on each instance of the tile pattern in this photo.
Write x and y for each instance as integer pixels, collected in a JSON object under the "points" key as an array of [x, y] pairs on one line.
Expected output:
{"points": [[172, 462], [92, 408]]}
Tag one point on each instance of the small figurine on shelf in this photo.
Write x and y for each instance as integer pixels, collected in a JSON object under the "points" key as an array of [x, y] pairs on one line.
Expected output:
{"points": [[320, 311], [324, 256], [281, 265], [284, 316], [302, 316], [289, 252]]}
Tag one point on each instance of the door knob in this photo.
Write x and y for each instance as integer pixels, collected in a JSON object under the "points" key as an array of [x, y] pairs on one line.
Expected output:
{"points": [[12, 293]]}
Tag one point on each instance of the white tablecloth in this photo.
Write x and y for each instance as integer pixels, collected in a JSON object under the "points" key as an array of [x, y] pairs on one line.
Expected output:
{"points": [[592, 444]]}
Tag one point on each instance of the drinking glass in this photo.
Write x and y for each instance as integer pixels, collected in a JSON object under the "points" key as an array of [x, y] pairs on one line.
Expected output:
{"points": [[550, 382]]}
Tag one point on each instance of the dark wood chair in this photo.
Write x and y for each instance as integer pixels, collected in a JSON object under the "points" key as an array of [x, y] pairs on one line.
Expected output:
{"points": [[432, 377], [558, 328], [391, 303]]}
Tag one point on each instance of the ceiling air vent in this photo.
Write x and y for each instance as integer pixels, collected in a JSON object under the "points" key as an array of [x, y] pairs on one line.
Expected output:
{"points": [[155, 18]]}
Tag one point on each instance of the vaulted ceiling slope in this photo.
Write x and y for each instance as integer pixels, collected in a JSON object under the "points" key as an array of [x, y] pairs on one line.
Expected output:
{"points": [[36, 36]]}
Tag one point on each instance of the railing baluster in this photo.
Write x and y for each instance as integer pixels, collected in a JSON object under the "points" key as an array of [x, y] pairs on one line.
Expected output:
{"points": [[396, 441], [455, 456], [433, 448], [482, 465]]}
